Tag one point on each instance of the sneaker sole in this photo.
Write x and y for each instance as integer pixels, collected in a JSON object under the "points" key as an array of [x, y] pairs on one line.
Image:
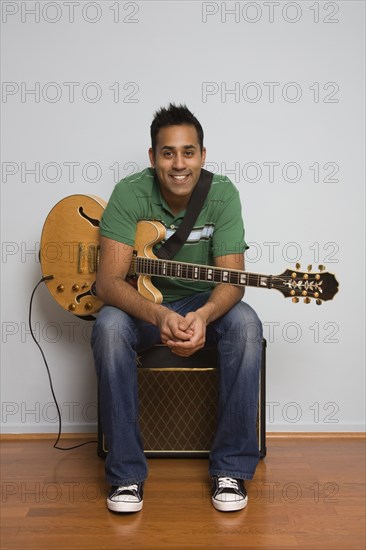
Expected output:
{"points": [[124, 506], [233, 506]]}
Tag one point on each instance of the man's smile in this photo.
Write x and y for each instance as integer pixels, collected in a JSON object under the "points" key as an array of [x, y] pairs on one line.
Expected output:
{"points": [[180, 178]]}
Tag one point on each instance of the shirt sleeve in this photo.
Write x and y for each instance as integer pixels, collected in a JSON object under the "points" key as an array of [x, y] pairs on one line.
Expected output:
{"points": [[120, 216]]}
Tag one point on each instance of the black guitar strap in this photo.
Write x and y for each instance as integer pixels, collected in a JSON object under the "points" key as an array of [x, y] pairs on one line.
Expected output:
{"points": [[169, 249]]}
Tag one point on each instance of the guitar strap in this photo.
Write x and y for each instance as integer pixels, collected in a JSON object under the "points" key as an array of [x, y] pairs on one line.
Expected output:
{"points": [[169, 249]]}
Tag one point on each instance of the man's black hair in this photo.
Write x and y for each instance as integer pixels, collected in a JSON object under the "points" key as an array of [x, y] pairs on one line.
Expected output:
{"points": [[174, 115]]}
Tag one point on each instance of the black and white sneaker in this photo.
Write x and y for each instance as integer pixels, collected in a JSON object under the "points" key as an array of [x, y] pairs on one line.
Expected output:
{"points": [[228, 494], [126, 499]]}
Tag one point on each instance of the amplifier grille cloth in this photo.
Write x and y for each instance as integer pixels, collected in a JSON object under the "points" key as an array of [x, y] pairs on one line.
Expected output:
{"points": [[177, 408]]}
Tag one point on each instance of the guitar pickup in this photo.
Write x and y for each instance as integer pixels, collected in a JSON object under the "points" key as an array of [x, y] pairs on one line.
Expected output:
{"points": [[93, 258], [81, 258]]}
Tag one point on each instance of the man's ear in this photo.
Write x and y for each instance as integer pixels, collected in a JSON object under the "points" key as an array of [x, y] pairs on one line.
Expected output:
{"points": [[152, 157]]}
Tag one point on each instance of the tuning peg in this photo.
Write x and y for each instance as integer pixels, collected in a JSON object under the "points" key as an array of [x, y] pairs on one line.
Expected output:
{"points": [[298, 266], [321, 267], [319, 302], [295, 300], [307, 300], [310, 267]]}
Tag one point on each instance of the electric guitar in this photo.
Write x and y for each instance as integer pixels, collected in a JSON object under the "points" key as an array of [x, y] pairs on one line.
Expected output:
{"points": [[69, 257]]}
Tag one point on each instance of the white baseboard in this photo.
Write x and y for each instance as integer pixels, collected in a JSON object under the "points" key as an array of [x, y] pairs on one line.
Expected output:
{"points": [[81, 428]]}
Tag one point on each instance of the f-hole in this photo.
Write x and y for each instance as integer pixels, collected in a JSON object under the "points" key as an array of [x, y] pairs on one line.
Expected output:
{"points": [[93, 221]]}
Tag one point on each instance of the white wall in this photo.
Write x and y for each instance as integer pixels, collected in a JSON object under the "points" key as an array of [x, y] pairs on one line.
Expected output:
{"points": [[296, 73]]}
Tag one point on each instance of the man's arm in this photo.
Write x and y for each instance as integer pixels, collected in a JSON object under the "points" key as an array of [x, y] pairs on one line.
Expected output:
{"points": [[223, 297], [112, 288]]}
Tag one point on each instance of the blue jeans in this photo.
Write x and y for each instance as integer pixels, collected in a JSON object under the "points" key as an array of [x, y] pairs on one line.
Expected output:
{"points": [[116, 339]]}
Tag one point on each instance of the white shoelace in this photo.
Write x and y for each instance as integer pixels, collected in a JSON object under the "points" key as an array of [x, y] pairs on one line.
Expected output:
{"points": [[227, 483], [133, 487]]}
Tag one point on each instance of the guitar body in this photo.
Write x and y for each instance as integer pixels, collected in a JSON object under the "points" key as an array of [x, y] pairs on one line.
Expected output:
{"points": [[148, 233], [69, 252]]}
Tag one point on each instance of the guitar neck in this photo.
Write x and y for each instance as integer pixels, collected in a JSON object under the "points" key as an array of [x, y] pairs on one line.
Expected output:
{"points": [[156, 267]]}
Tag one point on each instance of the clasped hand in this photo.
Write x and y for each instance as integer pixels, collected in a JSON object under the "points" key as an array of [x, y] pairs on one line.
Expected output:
{"points": [[183, 335]]}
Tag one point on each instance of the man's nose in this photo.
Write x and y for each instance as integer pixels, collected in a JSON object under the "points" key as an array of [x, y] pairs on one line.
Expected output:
{"points": [[179, 161]]}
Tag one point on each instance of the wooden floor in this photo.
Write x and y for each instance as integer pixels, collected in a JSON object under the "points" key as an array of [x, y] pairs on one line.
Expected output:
{"points": [[308, 493]]}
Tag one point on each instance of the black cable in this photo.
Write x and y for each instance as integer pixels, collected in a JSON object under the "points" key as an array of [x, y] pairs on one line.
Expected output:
{"points": [[48, 278]]}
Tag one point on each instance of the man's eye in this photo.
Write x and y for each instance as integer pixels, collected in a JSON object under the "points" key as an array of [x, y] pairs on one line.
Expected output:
{"points": [[168, 154], [189, 153]]}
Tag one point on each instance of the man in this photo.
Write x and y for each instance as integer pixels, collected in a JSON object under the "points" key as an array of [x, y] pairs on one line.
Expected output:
{"points": [[191, 314]]}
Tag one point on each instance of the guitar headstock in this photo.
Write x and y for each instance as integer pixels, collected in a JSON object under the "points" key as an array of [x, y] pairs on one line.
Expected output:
{"points": [[320, 286]]}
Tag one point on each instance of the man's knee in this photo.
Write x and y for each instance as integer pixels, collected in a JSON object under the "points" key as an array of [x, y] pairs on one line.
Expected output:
{"points": [[244, 323], [111, 325]]}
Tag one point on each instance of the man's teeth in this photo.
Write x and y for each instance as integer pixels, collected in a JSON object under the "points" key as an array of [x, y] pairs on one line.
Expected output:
{"points": [[179, 177]]}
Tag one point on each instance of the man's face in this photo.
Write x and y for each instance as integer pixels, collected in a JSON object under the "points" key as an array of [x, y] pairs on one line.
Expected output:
{"points": [[177, 160]]}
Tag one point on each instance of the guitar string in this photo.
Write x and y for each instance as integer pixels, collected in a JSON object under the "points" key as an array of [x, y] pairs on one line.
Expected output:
{"points": [[160, 262], [148, 266]]}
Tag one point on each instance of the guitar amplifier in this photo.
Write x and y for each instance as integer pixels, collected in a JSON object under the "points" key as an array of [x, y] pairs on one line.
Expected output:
{"points": [[178, 402]]}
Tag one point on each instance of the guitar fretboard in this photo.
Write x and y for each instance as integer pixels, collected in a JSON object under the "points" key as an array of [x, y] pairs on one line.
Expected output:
{"points": [[197, 272]]}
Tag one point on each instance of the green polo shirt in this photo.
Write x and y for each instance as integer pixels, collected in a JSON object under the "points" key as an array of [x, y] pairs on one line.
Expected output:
{"points": [[218, 231]]}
